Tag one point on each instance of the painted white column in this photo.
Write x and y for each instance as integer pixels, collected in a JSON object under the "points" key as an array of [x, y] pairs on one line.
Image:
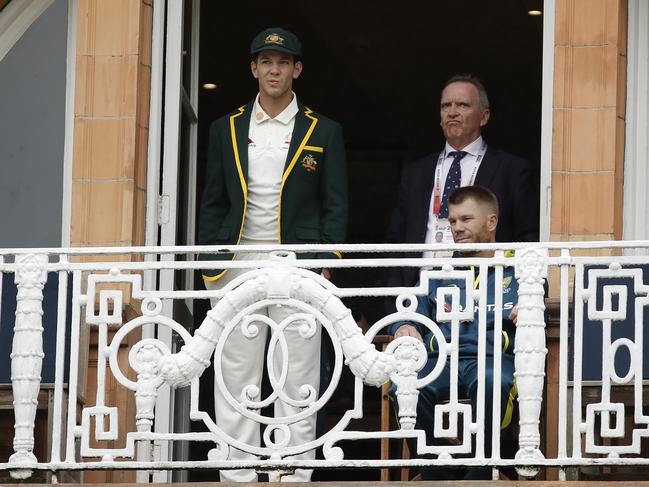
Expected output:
{"points": [[530, 352], [27, 357]]}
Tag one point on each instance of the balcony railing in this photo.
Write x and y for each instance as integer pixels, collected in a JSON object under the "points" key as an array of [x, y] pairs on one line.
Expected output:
{"points": [[602, 288]]}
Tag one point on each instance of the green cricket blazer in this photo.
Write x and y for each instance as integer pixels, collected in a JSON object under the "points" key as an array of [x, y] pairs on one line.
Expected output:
{"points": [[313, 194]]}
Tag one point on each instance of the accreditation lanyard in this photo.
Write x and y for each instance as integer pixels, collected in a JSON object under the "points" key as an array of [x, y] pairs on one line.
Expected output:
{"points": [[438, 187]]}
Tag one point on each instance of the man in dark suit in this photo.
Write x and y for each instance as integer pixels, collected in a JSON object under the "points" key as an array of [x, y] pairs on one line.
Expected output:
{"points": [[421, 215], [276, 173]]}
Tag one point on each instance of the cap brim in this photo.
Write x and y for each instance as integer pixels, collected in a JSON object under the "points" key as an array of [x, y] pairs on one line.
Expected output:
{"points": [[275, 48]]}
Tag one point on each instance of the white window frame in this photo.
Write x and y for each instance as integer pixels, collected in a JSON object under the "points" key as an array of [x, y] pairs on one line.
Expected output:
{"points": [[545, 183], [163, 159], [68, 143], [635, 222]]}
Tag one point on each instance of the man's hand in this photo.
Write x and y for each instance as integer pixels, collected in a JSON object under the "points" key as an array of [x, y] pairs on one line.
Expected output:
{"points": [[326, 273], [514, 314], [408, 331]]}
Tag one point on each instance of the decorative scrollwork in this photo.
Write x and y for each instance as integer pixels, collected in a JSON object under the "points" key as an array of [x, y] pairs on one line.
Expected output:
{"points": [[315, 305], [612, 414]]}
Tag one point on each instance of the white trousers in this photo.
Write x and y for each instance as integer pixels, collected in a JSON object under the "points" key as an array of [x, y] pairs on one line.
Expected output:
{"points": [[242, 363]]}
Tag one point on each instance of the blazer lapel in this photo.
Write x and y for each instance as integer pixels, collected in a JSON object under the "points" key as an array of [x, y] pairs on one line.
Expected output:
{"points": [[486, 172], [428, 179], [425, 194], [239, 128], [305, 123]]}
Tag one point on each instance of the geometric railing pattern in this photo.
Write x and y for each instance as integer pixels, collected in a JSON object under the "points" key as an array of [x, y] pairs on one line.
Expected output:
{"points": [[605, 292]]}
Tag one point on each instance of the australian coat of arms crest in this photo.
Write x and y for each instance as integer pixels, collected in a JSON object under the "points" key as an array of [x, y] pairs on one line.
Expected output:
{"points": [[309, 163]]}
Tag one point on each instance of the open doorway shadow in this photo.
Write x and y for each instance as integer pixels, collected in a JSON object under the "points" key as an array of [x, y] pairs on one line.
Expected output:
{"points": [[378, 67]]}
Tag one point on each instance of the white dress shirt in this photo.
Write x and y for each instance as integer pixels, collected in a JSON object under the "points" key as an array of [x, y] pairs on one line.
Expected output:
{"points": [[469, 165], [268, 143]]}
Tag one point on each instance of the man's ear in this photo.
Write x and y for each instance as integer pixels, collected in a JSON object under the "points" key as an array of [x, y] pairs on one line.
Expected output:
{"points": [[253, 69], [485, 117], [297, 69], [492, 222]]}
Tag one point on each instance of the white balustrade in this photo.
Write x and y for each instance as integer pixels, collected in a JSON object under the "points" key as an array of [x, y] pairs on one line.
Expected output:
{"points": [[27, 357], [530, 353], [605, 292]]}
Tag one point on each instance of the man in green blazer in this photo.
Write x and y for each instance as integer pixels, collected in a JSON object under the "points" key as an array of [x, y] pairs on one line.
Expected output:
{"points": [[276, 173]]}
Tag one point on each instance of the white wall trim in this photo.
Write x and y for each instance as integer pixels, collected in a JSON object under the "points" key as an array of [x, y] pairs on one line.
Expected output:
{"points": [[547, 94], [151, 227], [182, 399], [153, 170], [636, 155], [171, 127], [155, 124], [68, 144], [16, 18], [193, 136]]}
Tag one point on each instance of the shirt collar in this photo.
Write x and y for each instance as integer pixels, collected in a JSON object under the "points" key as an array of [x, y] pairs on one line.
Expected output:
{"points": [[260, 116], [473, 148]]}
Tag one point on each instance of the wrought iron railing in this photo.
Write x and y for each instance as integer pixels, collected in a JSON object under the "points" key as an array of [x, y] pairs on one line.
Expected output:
{"points": [[601, 315]]}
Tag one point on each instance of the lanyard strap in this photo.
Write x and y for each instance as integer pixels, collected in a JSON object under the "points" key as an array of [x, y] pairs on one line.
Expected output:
{"points": [[437, 188]]}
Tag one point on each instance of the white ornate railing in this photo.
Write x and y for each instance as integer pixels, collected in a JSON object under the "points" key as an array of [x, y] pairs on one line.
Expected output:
{"points": [[605, 291]]}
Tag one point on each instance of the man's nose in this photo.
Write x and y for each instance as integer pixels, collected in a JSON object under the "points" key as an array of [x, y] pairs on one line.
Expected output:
{"points": [[274, 67]]}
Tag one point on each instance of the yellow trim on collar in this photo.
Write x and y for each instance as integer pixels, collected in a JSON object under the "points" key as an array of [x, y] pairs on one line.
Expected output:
{"points": [[298, 152], [237, 160], [242, 180], [214, 278], [313, 148], [338, 254]]}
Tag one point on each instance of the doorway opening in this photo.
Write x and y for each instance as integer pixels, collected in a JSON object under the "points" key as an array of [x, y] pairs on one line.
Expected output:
{"points": [[378, 68]]}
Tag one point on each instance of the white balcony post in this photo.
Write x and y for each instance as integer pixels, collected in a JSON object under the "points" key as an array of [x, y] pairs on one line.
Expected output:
{"points": [[410, 357], [27, 357], [530, 352]]}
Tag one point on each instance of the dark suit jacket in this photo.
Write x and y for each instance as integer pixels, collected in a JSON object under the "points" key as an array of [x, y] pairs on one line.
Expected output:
{"points": [[508, 176], [313, 195]]}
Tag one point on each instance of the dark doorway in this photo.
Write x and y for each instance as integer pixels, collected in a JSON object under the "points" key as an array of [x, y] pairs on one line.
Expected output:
{"points": [[378, 67]]}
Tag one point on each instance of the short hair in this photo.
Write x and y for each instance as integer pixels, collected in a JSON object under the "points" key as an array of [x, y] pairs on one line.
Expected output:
{"points": [[475, 81], [479, 194]]}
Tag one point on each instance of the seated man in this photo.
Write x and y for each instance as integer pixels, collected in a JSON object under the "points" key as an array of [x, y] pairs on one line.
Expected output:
{"points": [[473, 216]]}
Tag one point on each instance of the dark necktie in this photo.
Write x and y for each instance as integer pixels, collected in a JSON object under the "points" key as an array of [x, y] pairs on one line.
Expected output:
{"points": [[453, 181]]}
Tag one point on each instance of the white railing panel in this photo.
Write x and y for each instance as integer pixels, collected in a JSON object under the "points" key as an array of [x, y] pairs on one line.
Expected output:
{"points": [[588, 433]]}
